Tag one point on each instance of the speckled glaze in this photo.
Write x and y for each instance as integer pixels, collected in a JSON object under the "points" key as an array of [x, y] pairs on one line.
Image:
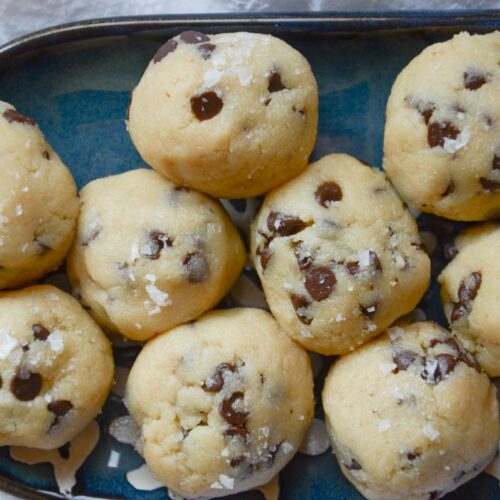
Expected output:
{"points": [[75, 81]]}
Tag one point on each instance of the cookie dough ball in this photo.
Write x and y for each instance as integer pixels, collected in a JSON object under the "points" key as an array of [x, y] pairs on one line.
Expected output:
{"points": [[56, 367], [338, 255], [223, 403], [232, 115], [442, 135], [409, 415], [470, 290], [149, 255], [38, 202]]}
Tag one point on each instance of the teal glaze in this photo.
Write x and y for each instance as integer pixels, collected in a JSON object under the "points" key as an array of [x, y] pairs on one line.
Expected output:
{"points": [[78, 92]]}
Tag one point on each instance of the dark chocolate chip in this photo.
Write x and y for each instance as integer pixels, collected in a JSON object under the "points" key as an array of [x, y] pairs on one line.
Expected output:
{"points": [[272, 451], [284, 225], [206, 50], [64, 451], [264, 253], [468, 288], [46, 155], [194, 37], [475, 79], [157, 241], [369, 310], [449, 341], [59, 408], [489, 185], [352, 267], [197, 266], [236, 461], [40, 332], [439, 131], [426, 109], [446, 364], [26, 385], [230, 414], [412, 455], [403, 358], [216, 381], [240, 432], [320, 282], [207, 105], [92, 235], [450, 251], [353, 465], [374, 261], [275, 84], [300, 303], [495, 164], [164, 50], [470, 360], [13, 116], [304, 260], [327, 193], [458, 312]]}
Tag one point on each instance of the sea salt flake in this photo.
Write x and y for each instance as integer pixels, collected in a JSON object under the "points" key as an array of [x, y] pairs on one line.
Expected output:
{"points": [[226, 481], [430, 432], [211, 77], [19, 210], [340, 317], [157, 296], [54, 297], [287, 448], [7, 343], [395, 333], [453, 145], [134, 251], [56, 341], [3, 219], [384, 425], [150, 277], [25, 189], [364, 258]]}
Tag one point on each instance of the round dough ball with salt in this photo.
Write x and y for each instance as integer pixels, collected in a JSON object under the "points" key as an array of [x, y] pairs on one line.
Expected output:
{"points": [[38, 202], [223, 403], [338, 255], [410, 415], [56, 367], [232, 115], [442, 135], [149, 255], [470, 290]]}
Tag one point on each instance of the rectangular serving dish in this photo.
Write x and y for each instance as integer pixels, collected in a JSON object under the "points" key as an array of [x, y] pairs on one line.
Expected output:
{"points": [[75, 81]]}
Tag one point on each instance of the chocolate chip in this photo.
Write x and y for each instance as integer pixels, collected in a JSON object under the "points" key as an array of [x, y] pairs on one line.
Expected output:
{"points": [[40, 332], [369, 310], [235, 461], [164, 50], [353, 465], [412, 455], [468, 288], [206, 105], [46, 155], [495, 164], [231, 414], [194, 37], [449, 189], [304, 259], [216, 382], [449, 341], [272, 451], [475, 79], [426, 109], [157, 241], [59, 408], [352, 267], [458, 313], [284, 225], [327, 193], [240, 432], [26, 385], [197, 267], [445, 365], [439, 131], [469, 360], [13, 116], [374, 261], [275, 84], [450, 251], [458, 476], [403, 358], [265, 253], [320, 282], [64, 451], [489, 185], [433, 495], [206, 50], [300, 303]]}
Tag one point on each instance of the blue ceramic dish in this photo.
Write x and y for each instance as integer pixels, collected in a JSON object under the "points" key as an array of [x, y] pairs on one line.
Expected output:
{"points": [[75, 81]]}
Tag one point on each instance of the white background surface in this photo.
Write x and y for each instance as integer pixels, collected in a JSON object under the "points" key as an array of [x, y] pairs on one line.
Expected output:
{"points": [[18, 17]]}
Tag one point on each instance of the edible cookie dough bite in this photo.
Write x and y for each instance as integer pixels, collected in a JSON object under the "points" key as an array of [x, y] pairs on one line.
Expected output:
{"points": [[338, 255], [223, 403], [56, 367], [38, 202], [232, 115], [410, 415], [470, 291], [442, 134], [150, 255]]}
